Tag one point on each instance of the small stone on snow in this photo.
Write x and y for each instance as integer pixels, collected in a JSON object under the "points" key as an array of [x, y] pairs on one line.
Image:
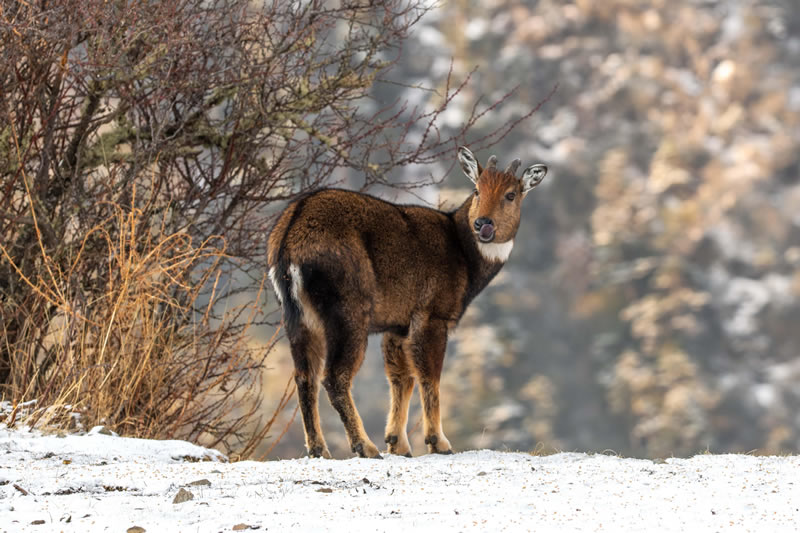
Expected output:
{"points": [[183, 496]]}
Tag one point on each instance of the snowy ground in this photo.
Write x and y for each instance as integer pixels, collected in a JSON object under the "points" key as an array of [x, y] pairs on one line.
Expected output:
{"points": [[101, 482]]}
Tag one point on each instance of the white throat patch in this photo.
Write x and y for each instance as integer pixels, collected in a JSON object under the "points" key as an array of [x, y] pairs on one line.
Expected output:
{"points": [[492, 251]]}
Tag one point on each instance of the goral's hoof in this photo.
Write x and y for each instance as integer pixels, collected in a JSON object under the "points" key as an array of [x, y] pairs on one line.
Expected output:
{"points": [[394, 448], [319, 451], [360, 450], [433, 443]]}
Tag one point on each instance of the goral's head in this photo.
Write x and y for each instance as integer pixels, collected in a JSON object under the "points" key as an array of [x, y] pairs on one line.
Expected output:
{"points": [[497, 200]]}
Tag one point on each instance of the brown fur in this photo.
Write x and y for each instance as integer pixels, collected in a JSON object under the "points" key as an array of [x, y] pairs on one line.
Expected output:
{"points": [[346, 264]]}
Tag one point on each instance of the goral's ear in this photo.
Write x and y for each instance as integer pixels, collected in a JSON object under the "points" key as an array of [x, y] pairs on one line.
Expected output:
{"points": [[469, 164], [533, 176]]}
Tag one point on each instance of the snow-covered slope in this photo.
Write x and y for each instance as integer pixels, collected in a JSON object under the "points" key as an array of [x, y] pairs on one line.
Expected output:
{"points": [[102, 482]]}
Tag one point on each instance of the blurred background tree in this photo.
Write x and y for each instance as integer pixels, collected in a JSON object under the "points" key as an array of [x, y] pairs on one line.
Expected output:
{"points": [[650, 304]]}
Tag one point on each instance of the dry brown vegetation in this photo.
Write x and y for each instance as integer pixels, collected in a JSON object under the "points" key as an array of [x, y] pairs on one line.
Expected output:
{"points": [[142, 353]]}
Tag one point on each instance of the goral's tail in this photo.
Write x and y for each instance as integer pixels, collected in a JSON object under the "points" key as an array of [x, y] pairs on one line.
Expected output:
{"points": [[282, 277]]}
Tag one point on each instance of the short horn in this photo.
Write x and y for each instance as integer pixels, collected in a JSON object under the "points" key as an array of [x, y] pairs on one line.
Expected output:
{"points": [[492, 163], [513, 166]]}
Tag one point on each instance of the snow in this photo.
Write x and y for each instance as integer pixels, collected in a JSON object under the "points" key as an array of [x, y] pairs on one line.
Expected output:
{"points": [[98, 482]]}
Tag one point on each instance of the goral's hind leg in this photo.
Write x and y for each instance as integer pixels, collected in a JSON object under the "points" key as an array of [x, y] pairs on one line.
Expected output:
{"points": [[308, 352], [346, 345], [401, 383], [427, 344]]}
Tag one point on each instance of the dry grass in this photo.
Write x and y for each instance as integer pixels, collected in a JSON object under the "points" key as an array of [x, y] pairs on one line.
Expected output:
{"points": [[146, 355]]}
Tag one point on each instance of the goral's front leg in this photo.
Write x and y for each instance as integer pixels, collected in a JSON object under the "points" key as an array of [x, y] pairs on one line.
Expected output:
{"points": [[434, 436], [401, 385]]}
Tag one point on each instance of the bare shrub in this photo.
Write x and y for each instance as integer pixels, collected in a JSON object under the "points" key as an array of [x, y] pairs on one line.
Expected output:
{"points": [[144, 355]]}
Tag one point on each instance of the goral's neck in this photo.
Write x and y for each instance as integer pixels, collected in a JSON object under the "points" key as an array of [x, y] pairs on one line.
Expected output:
{"points": [[484, 259]]}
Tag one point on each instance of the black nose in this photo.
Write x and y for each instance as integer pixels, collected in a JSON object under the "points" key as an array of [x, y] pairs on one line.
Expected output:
{"points": [[480, 222]]}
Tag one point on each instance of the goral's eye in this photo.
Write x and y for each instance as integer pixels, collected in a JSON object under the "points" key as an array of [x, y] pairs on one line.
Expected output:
{"points": [[510, 196], [476, 192]]}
